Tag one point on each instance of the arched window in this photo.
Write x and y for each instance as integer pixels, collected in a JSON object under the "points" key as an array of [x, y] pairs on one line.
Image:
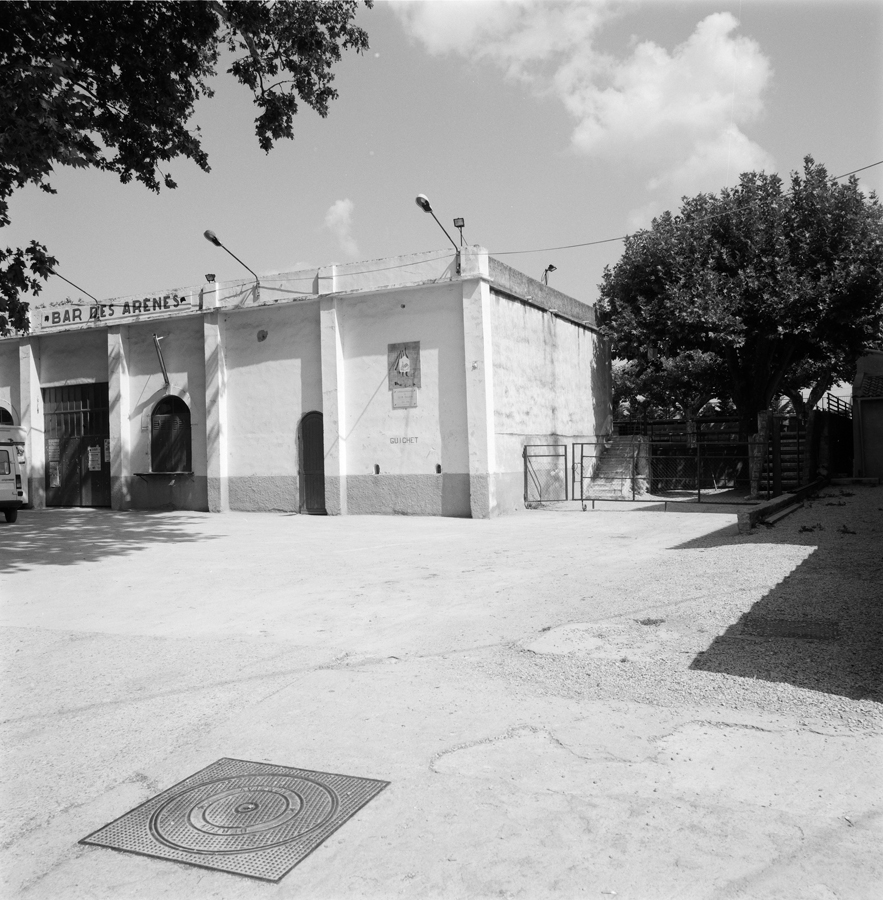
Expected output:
{"points": [[6, 416], [170, 436]]}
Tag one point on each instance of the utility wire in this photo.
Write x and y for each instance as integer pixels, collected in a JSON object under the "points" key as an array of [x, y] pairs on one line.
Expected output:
{"points": [[623, 237]]}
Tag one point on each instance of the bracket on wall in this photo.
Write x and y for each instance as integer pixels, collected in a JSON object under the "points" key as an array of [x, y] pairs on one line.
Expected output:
{"points": [[162, 362]]}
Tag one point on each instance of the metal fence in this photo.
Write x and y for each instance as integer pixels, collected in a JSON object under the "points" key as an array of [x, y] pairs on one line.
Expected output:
{"points": [[632, 468], [707, 475], [545, 473]]}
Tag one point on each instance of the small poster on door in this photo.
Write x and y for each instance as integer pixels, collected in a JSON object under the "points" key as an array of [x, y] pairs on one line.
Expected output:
{"points": [[54, 475], [95, 458], [107, 449], [53, 449]]}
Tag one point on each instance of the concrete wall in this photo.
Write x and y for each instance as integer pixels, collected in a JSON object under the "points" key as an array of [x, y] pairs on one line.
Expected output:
{"points": [[551, 386], [73, 358], [9, 379], [406, 444], [182, 350], [504, 361], [274, 377], [867, 416]]}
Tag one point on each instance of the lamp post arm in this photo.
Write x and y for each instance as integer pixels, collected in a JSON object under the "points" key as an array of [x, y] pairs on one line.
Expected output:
{"points": [[445, 231], [241, 263], [74, 285]]}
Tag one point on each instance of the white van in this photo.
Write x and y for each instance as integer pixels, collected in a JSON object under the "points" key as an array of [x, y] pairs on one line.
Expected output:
{"points": [[13, 471]]}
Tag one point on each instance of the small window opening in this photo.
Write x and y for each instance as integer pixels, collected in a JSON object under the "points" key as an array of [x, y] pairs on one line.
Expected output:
{"points": [[438, 468], [5, 416], [170, 449], [376, 469]]}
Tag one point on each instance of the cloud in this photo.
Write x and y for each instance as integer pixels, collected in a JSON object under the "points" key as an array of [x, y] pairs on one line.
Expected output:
{"points": [[339, 221], [674, 118]]}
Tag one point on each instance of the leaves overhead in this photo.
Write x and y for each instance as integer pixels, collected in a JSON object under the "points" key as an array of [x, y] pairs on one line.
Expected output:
{"points": [[113, 85], [783, 288]]}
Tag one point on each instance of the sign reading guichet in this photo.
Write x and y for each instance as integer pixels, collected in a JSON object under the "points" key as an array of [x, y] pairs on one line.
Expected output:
{"points": [[117, 309]]}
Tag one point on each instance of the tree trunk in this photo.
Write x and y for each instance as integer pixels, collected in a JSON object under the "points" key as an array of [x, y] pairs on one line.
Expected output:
{"points": [[757, 446]]}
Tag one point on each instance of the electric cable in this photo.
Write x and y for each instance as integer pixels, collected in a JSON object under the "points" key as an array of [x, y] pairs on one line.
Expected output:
{"points": [[624, 237]]}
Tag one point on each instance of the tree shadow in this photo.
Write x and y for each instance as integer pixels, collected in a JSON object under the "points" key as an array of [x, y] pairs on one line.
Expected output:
{"points": [[66, 537], [821, 627]]}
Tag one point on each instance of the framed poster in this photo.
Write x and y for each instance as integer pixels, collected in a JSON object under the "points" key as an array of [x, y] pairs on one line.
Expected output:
{"points": [[403, 364]]}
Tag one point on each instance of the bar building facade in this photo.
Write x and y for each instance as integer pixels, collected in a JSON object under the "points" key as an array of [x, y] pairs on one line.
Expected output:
{"points": [[407, 385]]}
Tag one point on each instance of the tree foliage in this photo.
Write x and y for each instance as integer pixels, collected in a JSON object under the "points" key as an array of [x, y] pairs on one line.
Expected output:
{"points": [[113, 85], [783, 288], [669, 387]]}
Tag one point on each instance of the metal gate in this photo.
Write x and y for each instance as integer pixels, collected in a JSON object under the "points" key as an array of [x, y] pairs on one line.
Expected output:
{"points": [[77, 435], [545, 473]]}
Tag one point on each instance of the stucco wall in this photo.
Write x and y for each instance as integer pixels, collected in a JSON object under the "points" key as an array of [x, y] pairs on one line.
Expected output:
{"points": [[551, 385], [274, 376], [406, 444], [9, 379], [182, 349], [78, 357]]}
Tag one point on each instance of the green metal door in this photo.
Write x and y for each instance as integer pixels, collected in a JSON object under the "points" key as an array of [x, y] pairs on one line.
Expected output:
{"points": [[312, 464], [77, 435]]}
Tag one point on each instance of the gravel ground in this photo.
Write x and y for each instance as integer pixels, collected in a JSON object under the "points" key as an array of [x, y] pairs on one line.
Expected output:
{"points": [[696, 643]]}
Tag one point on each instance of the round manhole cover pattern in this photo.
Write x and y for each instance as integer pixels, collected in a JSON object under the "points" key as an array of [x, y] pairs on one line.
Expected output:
{"points": [[243, 813]]}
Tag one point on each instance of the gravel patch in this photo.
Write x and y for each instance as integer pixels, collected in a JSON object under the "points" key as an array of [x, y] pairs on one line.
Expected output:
{"points": [[703, 639]]}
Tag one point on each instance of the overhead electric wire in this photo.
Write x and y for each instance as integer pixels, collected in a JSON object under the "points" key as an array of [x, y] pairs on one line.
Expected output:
{"points": [[624, 237]]}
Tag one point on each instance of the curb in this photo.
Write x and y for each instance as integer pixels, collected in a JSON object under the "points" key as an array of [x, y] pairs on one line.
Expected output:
{"points": [[750, 517]]}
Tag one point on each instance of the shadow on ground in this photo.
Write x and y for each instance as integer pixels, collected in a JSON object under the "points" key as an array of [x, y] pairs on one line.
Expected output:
{"points": [[821, 627], [64, 537]]}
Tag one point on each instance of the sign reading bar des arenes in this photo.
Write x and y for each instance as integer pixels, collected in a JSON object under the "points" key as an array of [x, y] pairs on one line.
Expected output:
{"points": [[116, 309]]}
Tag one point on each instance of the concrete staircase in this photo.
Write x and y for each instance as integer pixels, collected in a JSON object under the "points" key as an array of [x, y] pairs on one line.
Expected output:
{"points": [[612, 475]]}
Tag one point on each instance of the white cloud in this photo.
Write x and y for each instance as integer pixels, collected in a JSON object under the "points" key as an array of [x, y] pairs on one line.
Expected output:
{"points": [[674, 118], [339, 221]]}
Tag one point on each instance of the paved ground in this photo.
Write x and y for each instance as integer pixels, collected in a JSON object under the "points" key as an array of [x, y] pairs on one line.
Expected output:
{"points": [[564, 702]]}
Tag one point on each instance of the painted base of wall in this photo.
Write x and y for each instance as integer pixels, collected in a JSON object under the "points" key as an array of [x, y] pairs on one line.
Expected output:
{"points": [[264, 493], [160, 492], [508, 492], [406, 495]]}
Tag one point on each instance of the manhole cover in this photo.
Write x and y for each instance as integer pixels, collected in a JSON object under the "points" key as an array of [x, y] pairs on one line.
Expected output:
{"points": [[243, 817], [808, 629]]}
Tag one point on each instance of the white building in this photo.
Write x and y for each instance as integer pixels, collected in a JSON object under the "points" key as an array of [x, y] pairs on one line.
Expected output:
{"points": [[405, 385]]}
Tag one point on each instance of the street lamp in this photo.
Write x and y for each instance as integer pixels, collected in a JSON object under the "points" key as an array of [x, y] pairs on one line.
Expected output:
{"points": [[549, 268], [423, 202], [74, 285], [212, 238], [97, 301]]}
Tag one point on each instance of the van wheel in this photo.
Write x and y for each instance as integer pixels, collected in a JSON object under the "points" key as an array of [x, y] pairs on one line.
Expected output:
{"points": [[11, 514]]}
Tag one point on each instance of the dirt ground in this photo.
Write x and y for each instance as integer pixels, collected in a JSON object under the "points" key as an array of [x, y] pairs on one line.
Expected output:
{"points": [[566, 704]]}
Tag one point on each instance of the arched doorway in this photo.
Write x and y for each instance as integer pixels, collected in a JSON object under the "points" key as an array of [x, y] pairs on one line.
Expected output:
{"points": [[311, 446]]}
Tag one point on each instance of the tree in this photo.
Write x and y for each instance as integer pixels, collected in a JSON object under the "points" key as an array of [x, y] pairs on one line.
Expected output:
{"points": [[670, 387], [785, 288], [112, 85]]}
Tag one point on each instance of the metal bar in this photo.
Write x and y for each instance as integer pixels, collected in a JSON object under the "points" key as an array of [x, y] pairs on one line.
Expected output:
{"points": [[698, 472]]}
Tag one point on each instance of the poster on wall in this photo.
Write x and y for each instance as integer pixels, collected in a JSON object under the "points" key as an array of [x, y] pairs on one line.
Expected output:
{"points": [[403, 365], [404, 398]]}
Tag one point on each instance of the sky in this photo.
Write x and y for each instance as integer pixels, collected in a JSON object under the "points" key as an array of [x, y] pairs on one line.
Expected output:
{"points": [[542, 124]]}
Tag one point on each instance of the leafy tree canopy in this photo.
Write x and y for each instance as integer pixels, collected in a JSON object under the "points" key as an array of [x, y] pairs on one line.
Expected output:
{"points": [[112, 85], [757, 291]]}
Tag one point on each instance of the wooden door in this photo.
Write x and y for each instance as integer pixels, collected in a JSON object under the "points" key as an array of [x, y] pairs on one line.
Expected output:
{"points": [[312, 465]]}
